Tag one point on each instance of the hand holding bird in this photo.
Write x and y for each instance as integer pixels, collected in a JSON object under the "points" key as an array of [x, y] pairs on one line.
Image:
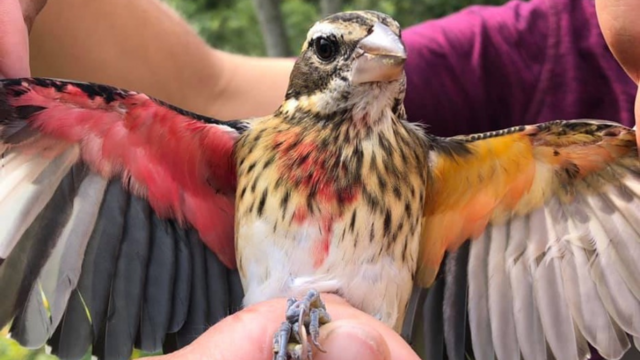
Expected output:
{"points": [[352, 334]]}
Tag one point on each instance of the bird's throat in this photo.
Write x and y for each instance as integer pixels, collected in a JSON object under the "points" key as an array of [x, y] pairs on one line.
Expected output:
{"points": [[319, 171]]}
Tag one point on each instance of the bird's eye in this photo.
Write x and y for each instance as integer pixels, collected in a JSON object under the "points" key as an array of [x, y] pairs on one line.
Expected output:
{"points": [[326, 49]]}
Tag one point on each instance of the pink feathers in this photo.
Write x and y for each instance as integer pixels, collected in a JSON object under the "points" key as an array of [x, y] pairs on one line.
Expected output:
{"points": [[181, 163]]}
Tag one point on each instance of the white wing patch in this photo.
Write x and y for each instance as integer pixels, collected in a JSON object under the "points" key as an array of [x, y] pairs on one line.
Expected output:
{"points": [[563, 276], [25, 192]]}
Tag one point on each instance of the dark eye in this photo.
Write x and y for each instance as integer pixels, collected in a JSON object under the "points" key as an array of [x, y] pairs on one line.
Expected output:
{"points": [[326, 49]]}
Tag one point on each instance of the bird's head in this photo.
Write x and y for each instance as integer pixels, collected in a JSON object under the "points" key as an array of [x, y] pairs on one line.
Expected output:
{"points": [[351, 63]]}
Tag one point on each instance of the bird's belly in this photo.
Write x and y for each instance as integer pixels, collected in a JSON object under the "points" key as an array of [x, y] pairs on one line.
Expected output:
{"points": [[369, 274]]}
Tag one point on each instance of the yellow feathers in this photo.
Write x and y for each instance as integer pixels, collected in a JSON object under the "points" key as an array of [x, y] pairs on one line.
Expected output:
{"points": [[501, 176], [469, 190]]}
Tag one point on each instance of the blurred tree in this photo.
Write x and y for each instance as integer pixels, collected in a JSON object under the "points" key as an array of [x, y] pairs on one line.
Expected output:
{"points": [[233, 25], [273, 28], [328, 7]]}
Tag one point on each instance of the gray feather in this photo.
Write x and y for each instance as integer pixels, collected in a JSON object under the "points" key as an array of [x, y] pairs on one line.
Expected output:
{"points": [[455, 302], [19, 275], [19, 208], [62, 272], [158, 295], [128, 284], [31, 328]]}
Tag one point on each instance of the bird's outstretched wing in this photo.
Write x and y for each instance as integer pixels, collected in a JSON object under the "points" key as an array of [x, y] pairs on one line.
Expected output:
{"points": [[553, 211], [116, 219]]}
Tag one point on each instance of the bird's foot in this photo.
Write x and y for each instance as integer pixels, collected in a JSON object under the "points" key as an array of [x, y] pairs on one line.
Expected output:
{"points": [[304, 317]]}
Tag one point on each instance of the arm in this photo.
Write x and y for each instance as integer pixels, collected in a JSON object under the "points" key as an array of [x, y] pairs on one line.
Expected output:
{"points": [[144, 45], [16, 18]]}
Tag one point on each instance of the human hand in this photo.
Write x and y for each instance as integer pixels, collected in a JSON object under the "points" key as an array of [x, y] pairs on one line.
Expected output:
{"points": [[16, 18], [621, 29], [248, 335]]}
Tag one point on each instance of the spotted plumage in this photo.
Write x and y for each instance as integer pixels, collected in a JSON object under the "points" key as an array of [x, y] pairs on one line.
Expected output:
{"points": [[128, 215]]}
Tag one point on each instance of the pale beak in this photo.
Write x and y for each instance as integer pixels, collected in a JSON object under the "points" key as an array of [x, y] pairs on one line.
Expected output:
{"points": [[380, 57]]}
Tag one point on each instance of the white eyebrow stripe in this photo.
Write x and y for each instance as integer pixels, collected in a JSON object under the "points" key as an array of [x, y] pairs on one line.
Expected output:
{"points": [[322, 29]]}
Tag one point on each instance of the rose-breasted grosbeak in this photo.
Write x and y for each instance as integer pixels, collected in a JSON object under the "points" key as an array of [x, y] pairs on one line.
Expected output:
{"points": [[105, 195]]}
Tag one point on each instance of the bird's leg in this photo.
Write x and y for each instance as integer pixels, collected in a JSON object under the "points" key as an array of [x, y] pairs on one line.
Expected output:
{"points": [[304, 316], [280, 340], [319, 317]]}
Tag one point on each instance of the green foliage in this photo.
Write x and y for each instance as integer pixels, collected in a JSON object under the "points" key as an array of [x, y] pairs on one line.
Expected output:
{"points": [[233, 25], [409, 12], [227, 25], [11, 350]]}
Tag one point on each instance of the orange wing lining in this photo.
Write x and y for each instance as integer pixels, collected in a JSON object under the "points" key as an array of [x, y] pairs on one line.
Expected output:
{"points": [[468, 191]]}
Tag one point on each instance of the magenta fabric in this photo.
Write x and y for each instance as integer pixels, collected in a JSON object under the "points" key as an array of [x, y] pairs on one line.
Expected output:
{"points": [[492, 67]]}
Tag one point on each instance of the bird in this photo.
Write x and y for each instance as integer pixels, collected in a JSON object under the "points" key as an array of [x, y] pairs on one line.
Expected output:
{"points": [[129, 222]]}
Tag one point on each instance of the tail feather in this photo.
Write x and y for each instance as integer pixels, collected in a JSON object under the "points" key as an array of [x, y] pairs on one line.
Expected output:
{"points": [[433, 327], [235, 291], [412, 315]]}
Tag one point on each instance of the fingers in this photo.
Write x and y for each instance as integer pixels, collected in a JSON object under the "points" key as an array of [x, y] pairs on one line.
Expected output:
{"points": [[619, 23], [14, 41], [248, 334], [350, 339], [339, 309]]}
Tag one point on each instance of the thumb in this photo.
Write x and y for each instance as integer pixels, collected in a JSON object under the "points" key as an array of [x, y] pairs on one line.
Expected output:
{"points": [[349, 339]]}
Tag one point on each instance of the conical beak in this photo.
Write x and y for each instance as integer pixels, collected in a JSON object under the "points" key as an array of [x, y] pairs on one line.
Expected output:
{"points": [[380, 57]]}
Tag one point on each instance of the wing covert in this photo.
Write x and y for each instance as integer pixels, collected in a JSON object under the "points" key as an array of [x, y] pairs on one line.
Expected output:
{"points": [[117, 215]]}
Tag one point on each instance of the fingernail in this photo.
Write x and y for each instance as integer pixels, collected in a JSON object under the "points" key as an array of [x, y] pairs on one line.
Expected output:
{"points": [[353, 341]]}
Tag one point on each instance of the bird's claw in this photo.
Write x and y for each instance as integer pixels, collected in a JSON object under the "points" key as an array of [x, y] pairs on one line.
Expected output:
{"points": [[303, 317]]}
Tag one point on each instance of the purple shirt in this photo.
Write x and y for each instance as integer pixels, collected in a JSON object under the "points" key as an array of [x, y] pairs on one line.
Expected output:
{"points": [[492, 67]]}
